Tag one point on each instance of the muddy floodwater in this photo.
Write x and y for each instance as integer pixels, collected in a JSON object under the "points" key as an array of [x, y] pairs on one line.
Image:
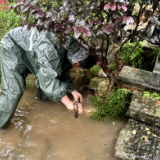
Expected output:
{"points": [[48, 131]]}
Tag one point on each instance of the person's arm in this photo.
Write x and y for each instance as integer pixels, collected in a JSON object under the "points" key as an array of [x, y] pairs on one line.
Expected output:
{"points": [[49, 72], [69, 104], [66, 78]]}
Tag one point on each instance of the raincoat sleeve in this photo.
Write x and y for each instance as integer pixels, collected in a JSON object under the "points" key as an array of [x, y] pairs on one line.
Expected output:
{"points": [[66, 78], [50, 69]]}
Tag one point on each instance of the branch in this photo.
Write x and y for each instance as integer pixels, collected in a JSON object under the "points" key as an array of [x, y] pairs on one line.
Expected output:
{"points": [[145, 7], [138, 18], [113, 48], [79, 43], [127, 58], [103, 58], [70, 3], [117, 63], [141, 10], [107, 47], [102, 17], [83, 40], [102, 44], [122, 46]]}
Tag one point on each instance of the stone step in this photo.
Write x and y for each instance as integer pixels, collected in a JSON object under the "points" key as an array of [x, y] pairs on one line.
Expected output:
{"points": [[137, 78], [145, 109], [141, 78], [138, 141]]}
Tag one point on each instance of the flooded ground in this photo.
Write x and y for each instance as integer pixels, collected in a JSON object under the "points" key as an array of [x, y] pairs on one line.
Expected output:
{"points": [[47, 130]]}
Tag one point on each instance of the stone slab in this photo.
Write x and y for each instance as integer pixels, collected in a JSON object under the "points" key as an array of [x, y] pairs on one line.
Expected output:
{"points": [[135, 75], [137, 141], [145, 109], [140, 77]]}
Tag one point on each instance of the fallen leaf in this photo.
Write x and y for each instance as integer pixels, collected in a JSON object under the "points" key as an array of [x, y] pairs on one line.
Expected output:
{"points": [[124, 71], [147, 129], [123, 86], [136, 75], [154, 135], [149, 132], [145, 109], [146, 140], [113, 123], [133, 70], [136, 100], [134, 131], [157, 103], [133, 89]]}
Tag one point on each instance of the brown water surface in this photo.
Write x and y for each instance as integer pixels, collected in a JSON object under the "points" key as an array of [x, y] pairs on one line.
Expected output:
{"points": [[48, 131]]}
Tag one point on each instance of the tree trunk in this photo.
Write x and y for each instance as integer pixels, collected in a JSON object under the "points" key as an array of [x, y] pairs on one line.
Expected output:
{"points": [[111, 86], [112, 82]]}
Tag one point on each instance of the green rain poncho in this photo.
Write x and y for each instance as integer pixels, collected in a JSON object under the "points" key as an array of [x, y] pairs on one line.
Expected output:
{"points": [[41, 54]]}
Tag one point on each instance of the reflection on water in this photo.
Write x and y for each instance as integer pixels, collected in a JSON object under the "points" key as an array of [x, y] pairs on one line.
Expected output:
{"points": [[47, 130]]}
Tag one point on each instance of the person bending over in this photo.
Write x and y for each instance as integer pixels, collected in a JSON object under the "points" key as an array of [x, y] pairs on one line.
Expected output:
{"points": [[45, 56]]}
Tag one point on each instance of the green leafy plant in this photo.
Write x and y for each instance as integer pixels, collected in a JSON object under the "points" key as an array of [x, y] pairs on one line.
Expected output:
{"points": [[8, 20], [148, 94], [95, 70], [97, 24], [111, 105], [137, 60], [154, 55]]}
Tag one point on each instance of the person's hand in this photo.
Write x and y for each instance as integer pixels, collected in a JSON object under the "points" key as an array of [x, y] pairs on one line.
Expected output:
{"points": [[69, 104], [77, 96], [80, 109]]}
